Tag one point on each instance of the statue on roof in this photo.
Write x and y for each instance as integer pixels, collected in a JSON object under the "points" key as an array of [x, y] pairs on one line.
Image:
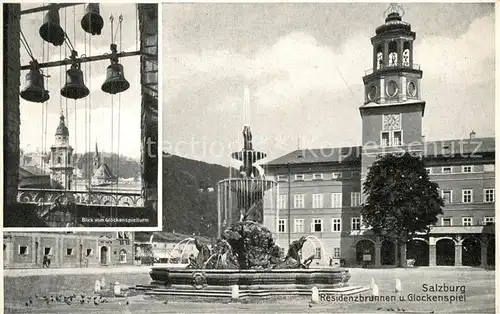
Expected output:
{"points": [[394, 8]]}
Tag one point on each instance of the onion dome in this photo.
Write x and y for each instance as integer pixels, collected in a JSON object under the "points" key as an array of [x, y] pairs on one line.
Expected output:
{"points": [[393, 21], [62, 129]]}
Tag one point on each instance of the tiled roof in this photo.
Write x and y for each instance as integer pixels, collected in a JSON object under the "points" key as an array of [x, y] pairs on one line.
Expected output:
{"points": [[319, 155], [104, 173], [35, 170], [345, 155]]}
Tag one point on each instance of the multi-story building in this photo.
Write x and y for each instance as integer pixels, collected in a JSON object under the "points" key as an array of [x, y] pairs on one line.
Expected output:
{"points": [[28, 249], [320, 190]]}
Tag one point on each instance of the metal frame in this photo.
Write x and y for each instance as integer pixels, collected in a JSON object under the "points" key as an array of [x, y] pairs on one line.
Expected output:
{"points": [[47, 7], [88, 59]]}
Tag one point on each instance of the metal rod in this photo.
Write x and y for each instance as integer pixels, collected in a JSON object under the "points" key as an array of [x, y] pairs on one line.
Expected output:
{"points": [[47, 7], [84, 59]]}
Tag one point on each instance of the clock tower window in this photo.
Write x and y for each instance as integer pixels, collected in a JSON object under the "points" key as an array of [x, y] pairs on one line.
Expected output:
{"points": [[384, 139], [380, 57], [391, 138], [396, 138], [393, 54], [406, 54]]}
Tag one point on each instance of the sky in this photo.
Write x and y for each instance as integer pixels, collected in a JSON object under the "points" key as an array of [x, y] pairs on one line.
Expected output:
{"points": [[303, 65], [97, 117]]}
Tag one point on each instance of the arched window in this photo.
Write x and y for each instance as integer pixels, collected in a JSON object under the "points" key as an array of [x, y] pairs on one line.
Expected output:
{"points": [[59, 159], [393, 54], [123, 256], [406, 54], [380, 57]]}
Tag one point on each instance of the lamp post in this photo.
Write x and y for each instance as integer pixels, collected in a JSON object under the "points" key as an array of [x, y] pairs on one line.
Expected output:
{"points": [[289, 201]]}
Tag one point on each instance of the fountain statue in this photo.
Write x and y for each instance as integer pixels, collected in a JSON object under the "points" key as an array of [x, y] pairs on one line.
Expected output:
{"points": [[245, 253]]}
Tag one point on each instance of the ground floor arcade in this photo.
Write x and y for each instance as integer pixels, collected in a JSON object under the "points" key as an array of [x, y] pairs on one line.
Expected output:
{"points": [[477, 250]]}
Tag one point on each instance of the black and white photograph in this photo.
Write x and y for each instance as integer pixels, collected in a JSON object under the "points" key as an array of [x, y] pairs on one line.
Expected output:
{"points": [[341, 156], [80, 115]]}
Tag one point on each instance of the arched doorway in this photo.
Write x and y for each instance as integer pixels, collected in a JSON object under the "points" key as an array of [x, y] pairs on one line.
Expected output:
{"points": [[490, 252], [388, 252], [418, 250], [471, 252], [365, 252], [123, 256], [445, 252], [104, 255]]}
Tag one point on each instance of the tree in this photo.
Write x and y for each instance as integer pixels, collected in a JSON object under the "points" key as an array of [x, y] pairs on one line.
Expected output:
{"points": [[401, 200]]}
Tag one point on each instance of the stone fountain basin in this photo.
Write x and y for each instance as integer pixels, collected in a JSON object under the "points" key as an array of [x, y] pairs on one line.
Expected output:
{"points": [[321, 277]]}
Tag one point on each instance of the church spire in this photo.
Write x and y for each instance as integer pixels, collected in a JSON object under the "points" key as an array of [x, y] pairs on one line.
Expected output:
{"points": [[97, 157]]}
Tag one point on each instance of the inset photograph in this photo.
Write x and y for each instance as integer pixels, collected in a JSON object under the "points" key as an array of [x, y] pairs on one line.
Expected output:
{"points": [[80, 115]]}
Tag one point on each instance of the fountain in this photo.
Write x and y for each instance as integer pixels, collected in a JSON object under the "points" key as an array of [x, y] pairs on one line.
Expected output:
{"points": [[245, 253]]}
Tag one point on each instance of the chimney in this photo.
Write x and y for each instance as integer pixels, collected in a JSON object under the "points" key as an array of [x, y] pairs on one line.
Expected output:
{"points": [[472, 135]]}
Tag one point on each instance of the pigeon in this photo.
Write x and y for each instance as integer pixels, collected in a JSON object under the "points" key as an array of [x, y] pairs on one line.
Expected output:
{"points": [[96, 303], [27, 304], [127, 302]]}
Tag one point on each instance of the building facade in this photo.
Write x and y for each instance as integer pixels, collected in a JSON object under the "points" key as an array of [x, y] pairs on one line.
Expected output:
{"points": [[105, 249], [320, 190]]}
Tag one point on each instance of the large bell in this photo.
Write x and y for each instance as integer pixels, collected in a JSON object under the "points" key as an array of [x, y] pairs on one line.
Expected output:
{"points": [[75, 87], [92, 21], [115, 79], [35, 90], [51, 30]]}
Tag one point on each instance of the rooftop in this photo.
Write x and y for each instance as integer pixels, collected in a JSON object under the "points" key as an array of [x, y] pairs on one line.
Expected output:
{"points": [[345, 155]]}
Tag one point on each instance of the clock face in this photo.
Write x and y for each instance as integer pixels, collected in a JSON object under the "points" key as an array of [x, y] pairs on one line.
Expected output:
{"points": [[412, 89], [392, 122], [372, 92]]}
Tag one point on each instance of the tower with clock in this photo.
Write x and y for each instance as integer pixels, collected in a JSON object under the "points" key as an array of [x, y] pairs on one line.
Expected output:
{"points": [[393, 109], [61, 161]]}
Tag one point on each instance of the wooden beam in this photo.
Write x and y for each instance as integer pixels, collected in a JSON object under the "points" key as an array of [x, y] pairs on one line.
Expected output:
{"points": [[84, 59], [47, 7]]}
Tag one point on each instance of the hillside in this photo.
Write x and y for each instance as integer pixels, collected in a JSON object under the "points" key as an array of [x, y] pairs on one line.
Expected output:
{"points": [[121, 166], [186, 209]]}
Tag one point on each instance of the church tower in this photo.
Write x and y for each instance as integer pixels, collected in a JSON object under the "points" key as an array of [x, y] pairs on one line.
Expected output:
{"points": [[393, 108], [97, 158], [61, 161]]}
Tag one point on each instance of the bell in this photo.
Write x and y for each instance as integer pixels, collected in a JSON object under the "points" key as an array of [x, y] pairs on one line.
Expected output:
{"points": [[51, 30], [35, 90], [75, 87], [92, 21], [115, 79]]}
